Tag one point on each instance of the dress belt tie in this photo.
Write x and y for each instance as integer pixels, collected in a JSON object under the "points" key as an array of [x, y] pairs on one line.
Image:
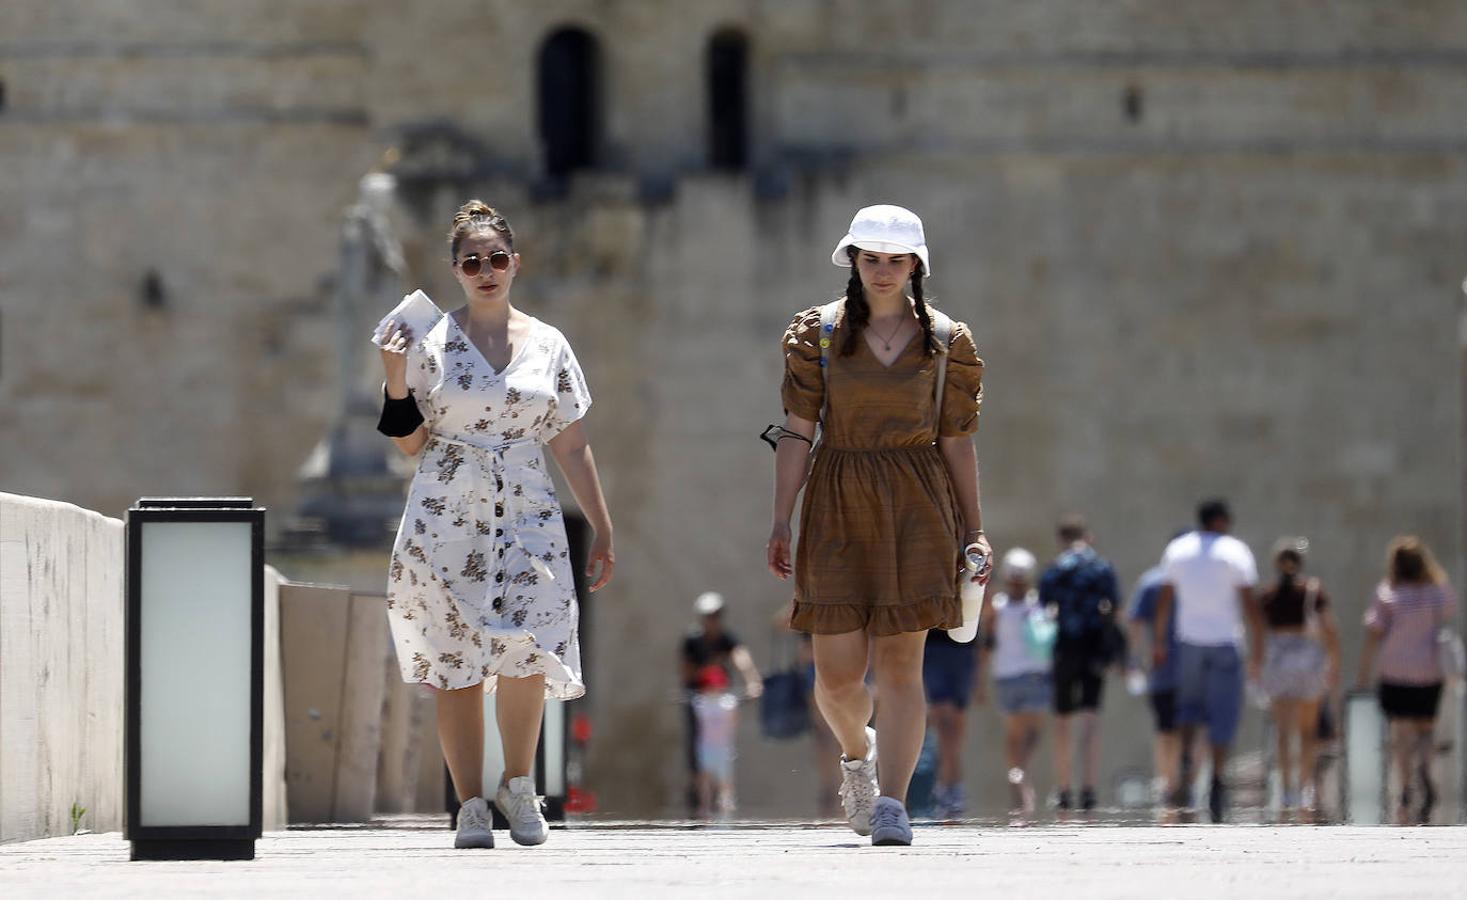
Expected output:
{"points": [[496, 454]]}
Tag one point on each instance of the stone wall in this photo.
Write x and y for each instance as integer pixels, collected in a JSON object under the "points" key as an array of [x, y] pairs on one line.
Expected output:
{"points": [[61, 673], [1202, 254]]}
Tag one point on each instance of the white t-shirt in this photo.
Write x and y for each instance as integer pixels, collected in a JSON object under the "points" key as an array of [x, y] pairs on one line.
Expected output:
{"points": [[1206, 570], [1011, 657]]}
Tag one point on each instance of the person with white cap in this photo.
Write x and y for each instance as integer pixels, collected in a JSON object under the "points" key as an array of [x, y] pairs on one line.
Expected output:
{"points": [[710, 644], [891, 505], [1013, 625]]}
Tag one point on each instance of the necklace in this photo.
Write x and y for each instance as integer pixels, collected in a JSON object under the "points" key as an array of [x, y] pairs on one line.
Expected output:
{"points": [[886, 341]]}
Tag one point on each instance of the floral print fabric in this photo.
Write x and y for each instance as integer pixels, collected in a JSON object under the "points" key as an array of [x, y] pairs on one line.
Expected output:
{"points": [[480, 583]]}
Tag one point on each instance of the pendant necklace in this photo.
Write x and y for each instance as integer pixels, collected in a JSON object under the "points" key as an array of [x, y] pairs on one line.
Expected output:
{"points": [[886, 341]]}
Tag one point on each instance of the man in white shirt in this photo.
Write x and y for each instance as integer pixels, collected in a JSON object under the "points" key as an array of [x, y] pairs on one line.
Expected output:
{"points": [[1210, 577]]}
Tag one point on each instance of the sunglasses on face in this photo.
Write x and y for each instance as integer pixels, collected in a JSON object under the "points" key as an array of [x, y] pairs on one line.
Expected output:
{"points": [[473, 264]]}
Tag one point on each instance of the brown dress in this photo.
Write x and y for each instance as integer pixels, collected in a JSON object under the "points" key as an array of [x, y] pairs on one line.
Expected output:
{"points": [[879, 546]]}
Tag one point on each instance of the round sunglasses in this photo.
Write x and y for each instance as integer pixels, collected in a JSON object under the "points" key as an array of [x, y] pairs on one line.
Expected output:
{"points": [[473, 264]]}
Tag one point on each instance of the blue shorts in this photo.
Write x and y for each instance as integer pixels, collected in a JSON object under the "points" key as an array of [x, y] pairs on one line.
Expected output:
{"points": [[947, 671], [1210, 690], [1030, 692]]}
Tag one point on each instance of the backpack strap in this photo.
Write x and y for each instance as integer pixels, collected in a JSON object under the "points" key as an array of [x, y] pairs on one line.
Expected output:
{"points": [[828, 314], [942, 332]]}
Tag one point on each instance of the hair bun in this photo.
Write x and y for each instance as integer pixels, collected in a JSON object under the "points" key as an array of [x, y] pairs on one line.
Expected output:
{"points": [[475, 209]]}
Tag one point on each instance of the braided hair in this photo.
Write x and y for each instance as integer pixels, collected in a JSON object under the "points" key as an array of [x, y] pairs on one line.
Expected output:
{"points": [[858, 311], [920, 304]]}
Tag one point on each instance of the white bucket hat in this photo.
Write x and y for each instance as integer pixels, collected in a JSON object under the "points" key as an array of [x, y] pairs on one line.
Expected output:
{"points": [[708, 603], [1019, 563], [884, 229]]}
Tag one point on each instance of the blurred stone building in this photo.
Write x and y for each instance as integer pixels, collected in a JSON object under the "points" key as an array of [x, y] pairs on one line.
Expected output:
{"points": [[1206, 249]]}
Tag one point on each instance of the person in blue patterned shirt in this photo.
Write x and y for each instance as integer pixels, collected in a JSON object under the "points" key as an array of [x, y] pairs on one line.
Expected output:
{"points": [[1081, 589]]}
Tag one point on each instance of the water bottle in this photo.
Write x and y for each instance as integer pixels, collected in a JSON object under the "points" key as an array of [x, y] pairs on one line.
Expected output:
{"points": [[1136, 681], [972, 594]]}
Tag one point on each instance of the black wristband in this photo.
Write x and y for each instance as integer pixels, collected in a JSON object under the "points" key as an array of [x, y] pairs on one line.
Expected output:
{"points": [[400, 418]]}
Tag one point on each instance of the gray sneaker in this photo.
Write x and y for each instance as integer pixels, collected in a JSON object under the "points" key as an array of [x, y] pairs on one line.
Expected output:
{"points": [[519, 805], [858, 786], [473, 826], [890, 826]]}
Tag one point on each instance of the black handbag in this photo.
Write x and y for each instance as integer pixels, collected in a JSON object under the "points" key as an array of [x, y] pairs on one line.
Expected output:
{"points": [[784, 707]]}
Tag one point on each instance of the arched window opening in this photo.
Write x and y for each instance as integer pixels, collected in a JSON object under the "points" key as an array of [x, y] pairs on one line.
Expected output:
{"points": [[728, 100], [151, 292], [1133, 104], [569, 101]]}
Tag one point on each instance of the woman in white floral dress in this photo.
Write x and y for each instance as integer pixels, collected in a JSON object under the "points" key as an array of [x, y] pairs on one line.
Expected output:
{"points": [[480, 591]]}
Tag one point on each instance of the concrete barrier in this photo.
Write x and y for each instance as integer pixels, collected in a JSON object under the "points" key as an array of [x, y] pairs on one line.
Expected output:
{"points": [[334, 643], [61, 673], [61, 657]]}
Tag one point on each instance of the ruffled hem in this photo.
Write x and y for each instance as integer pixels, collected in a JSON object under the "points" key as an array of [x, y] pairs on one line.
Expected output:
{"points": [[877, 621], [513, 650]]}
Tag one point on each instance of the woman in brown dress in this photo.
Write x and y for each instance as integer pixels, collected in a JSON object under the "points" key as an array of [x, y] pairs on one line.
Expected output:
{"points": [[891, 501]]}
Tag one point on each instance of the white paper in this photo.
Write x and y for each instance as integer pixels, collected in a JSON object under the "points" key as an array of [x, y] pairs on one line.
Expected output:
{"points": [[415, 311]]}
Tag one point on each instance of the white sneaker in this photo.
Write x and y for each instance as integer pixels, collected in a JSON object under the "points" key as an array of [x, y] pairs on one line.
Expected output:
{"points": [[519, 805], [858, 786], [473, 826], [890, 826]]}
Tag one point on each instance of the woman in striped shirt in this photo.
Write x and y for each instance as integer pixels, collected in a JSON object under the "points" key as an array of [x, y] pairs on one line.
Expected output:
{"points": [[1410, 608]]}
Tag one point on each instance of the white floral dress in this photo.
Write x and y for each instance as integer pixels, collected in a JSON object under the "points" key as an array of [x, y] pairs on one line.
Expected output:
{"points": [[480, 583]]}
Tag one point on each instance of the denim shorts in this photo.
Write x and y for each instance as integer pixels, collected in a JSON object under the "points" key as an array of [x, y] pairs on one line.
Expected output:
{"points": [[947, 672], [1210, 690], [1030, 692]]}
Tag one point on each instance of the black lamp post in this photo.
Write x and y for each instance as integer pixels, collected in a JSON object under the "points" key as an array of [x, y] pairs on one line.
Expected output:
{"points": [[195, 622]]}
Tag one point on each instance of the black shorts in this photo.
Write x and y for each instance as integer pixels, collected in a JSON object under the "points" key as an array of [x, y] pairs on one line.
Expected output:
{"points": [[1079, 675], [1410, 701], [1164, 711]]}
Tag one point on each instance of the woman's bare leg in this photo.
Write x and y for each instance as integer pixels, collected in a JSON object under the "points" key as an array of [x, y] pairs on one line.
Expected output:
{"points": [[1306, 726], [1284, 714], [1401, 740], [947, 721], [902, 720], [1424, 746], [518, 706], [460, 716], [840, 688], [1013, 741]]}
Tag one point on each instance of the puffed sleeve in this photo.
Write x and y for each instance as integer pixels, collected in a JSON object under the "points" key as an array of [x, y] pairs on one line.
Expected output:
{"points": [[803, 391], [962, 394], [572, 396]]}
